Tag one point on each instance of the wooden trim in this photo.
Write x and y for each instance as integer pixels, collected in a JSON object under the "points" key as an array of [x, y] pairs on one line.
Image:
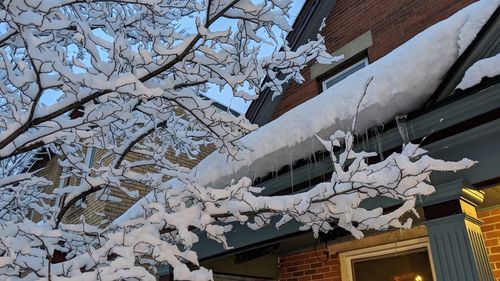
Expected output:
{"points": [[347, 258]]}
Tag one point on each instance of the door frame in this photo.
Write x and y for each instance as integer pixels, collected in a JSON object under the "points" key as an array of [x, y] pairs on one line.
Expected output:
{"points": [[346, 258]]}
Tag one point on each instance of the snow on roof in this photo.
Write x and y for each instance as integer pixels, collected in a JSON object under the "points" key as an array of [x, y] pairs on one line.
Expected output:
{"points": [[403, 80], [487, 67]]}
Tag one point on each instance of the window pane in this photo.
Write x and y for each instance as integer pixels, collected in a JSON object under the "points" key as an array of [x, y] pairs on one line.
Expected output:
{"points": [[404, 266], [342, 75]]}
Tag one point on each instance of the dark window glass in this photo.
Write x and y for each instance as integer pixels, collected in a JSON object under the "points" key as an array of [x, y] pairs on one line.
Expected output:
{"points": [[402, 266], [343, 74]]}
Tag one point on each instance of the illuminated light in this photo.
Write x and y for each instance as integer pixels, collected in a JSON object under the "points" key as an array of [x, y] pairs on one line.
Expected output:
{"points": [[418, 278]]}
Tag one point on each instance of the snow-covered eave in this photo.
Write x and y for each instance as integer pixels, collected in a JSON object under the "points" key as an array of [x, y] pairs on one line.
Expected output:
{"points": [[481, 69], [484, 46], [403, 80]]}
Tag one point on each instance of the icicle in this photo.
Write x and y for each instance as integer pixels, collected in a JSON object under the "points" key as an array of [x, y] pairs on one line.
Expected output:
{"points": [[364, 140], [314, 153], [378, 140], [309, 172], [402, 128], [291, 173]]}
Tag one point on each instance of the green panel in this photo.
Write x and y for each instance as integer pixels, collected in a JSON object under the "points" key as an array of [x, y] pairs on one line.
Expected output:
{"points": [[241, 236], [480, 143], [458, 249], [262, 267]]}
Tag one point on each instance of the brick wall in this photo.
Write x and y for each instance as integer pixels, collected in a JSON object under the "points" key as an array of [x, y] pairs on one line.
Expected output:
{"points": [[51, 173], [391, 24], [491, 234], [307, 266], [112, 209]]}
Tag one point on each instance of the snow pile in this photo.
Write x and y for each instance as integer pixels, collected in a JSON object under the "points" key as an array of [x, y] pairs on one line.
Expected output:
{"points": [[402, 81], [488, 67]]}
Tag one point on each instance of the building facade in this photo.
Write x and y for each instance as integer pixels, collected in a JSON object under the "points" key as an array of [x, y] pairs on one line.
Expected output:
{"points": [[457, 235]]}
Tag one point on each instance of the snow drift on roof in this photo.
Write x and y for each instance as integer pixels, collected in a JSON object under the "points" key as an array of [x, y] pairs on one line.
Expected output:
{"points": [[488, 67], [403, 80]]}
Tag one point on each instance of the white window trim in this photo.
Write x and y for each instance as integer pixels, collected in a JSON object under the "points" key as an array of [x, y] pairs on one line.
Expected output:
{"points": [[348, 51], [323, 84], [89, 156], [346, 258], [88, 162], [62, 183]]}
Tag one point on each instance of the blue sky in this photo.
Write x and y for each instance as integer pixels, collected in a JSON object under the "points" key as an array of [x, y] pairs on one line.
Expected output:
{"points": [[225, 96]]}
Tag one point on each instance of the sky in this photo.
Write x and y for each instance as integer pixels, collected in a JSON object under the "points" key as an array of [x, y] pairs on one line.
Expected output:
{"points": [[225, 96]]}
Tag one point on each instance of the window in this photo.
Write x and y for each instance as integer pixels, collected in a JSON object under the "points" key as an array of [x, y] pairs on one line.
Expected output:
{"points": [[89, 156], [88, 162], [402, 266], [330, 81], [402, 261], [63, 181]]}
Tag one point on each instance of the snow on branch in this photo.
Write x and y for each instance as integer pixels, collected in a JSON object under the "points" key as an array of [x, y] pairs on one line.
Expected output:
{"points": [[166, 233], [127, 79]]}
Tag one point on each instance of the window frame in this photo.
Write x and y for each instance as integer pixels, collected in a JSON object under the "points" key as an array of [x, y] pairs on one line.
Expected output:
{"points": [[89, 157], [62, 183], [347, 258], [324, 81]]}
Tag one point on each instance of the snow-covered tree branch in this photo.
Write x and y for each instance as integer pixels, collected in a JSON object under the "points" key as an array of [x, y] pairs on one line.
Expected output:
{"points": [[130, 78]]}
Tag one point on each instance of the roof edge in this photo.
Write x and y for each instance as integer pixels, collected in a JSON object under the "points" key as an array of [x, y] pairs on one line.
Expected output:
{"points": [[479, 48], [305, 27]]}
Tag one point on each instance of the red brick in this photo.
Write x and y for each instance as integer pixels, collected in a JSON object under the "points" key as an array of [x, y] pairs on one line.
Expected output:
{"points": [[298, 273], [491, 242], [491, 234], [391, 24], [488, 228], [318, 276], [311, 268], [290, 269]]}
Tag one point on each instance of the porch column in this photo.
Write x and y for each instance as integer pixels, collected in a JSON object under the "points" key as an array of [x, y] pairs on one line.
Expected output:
{"points": [[456, 241]]}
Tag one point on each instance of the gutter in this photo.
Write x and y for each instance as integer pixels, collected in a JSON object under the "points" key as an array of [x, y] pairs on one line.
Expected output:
{"points": [[481, 103]]}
